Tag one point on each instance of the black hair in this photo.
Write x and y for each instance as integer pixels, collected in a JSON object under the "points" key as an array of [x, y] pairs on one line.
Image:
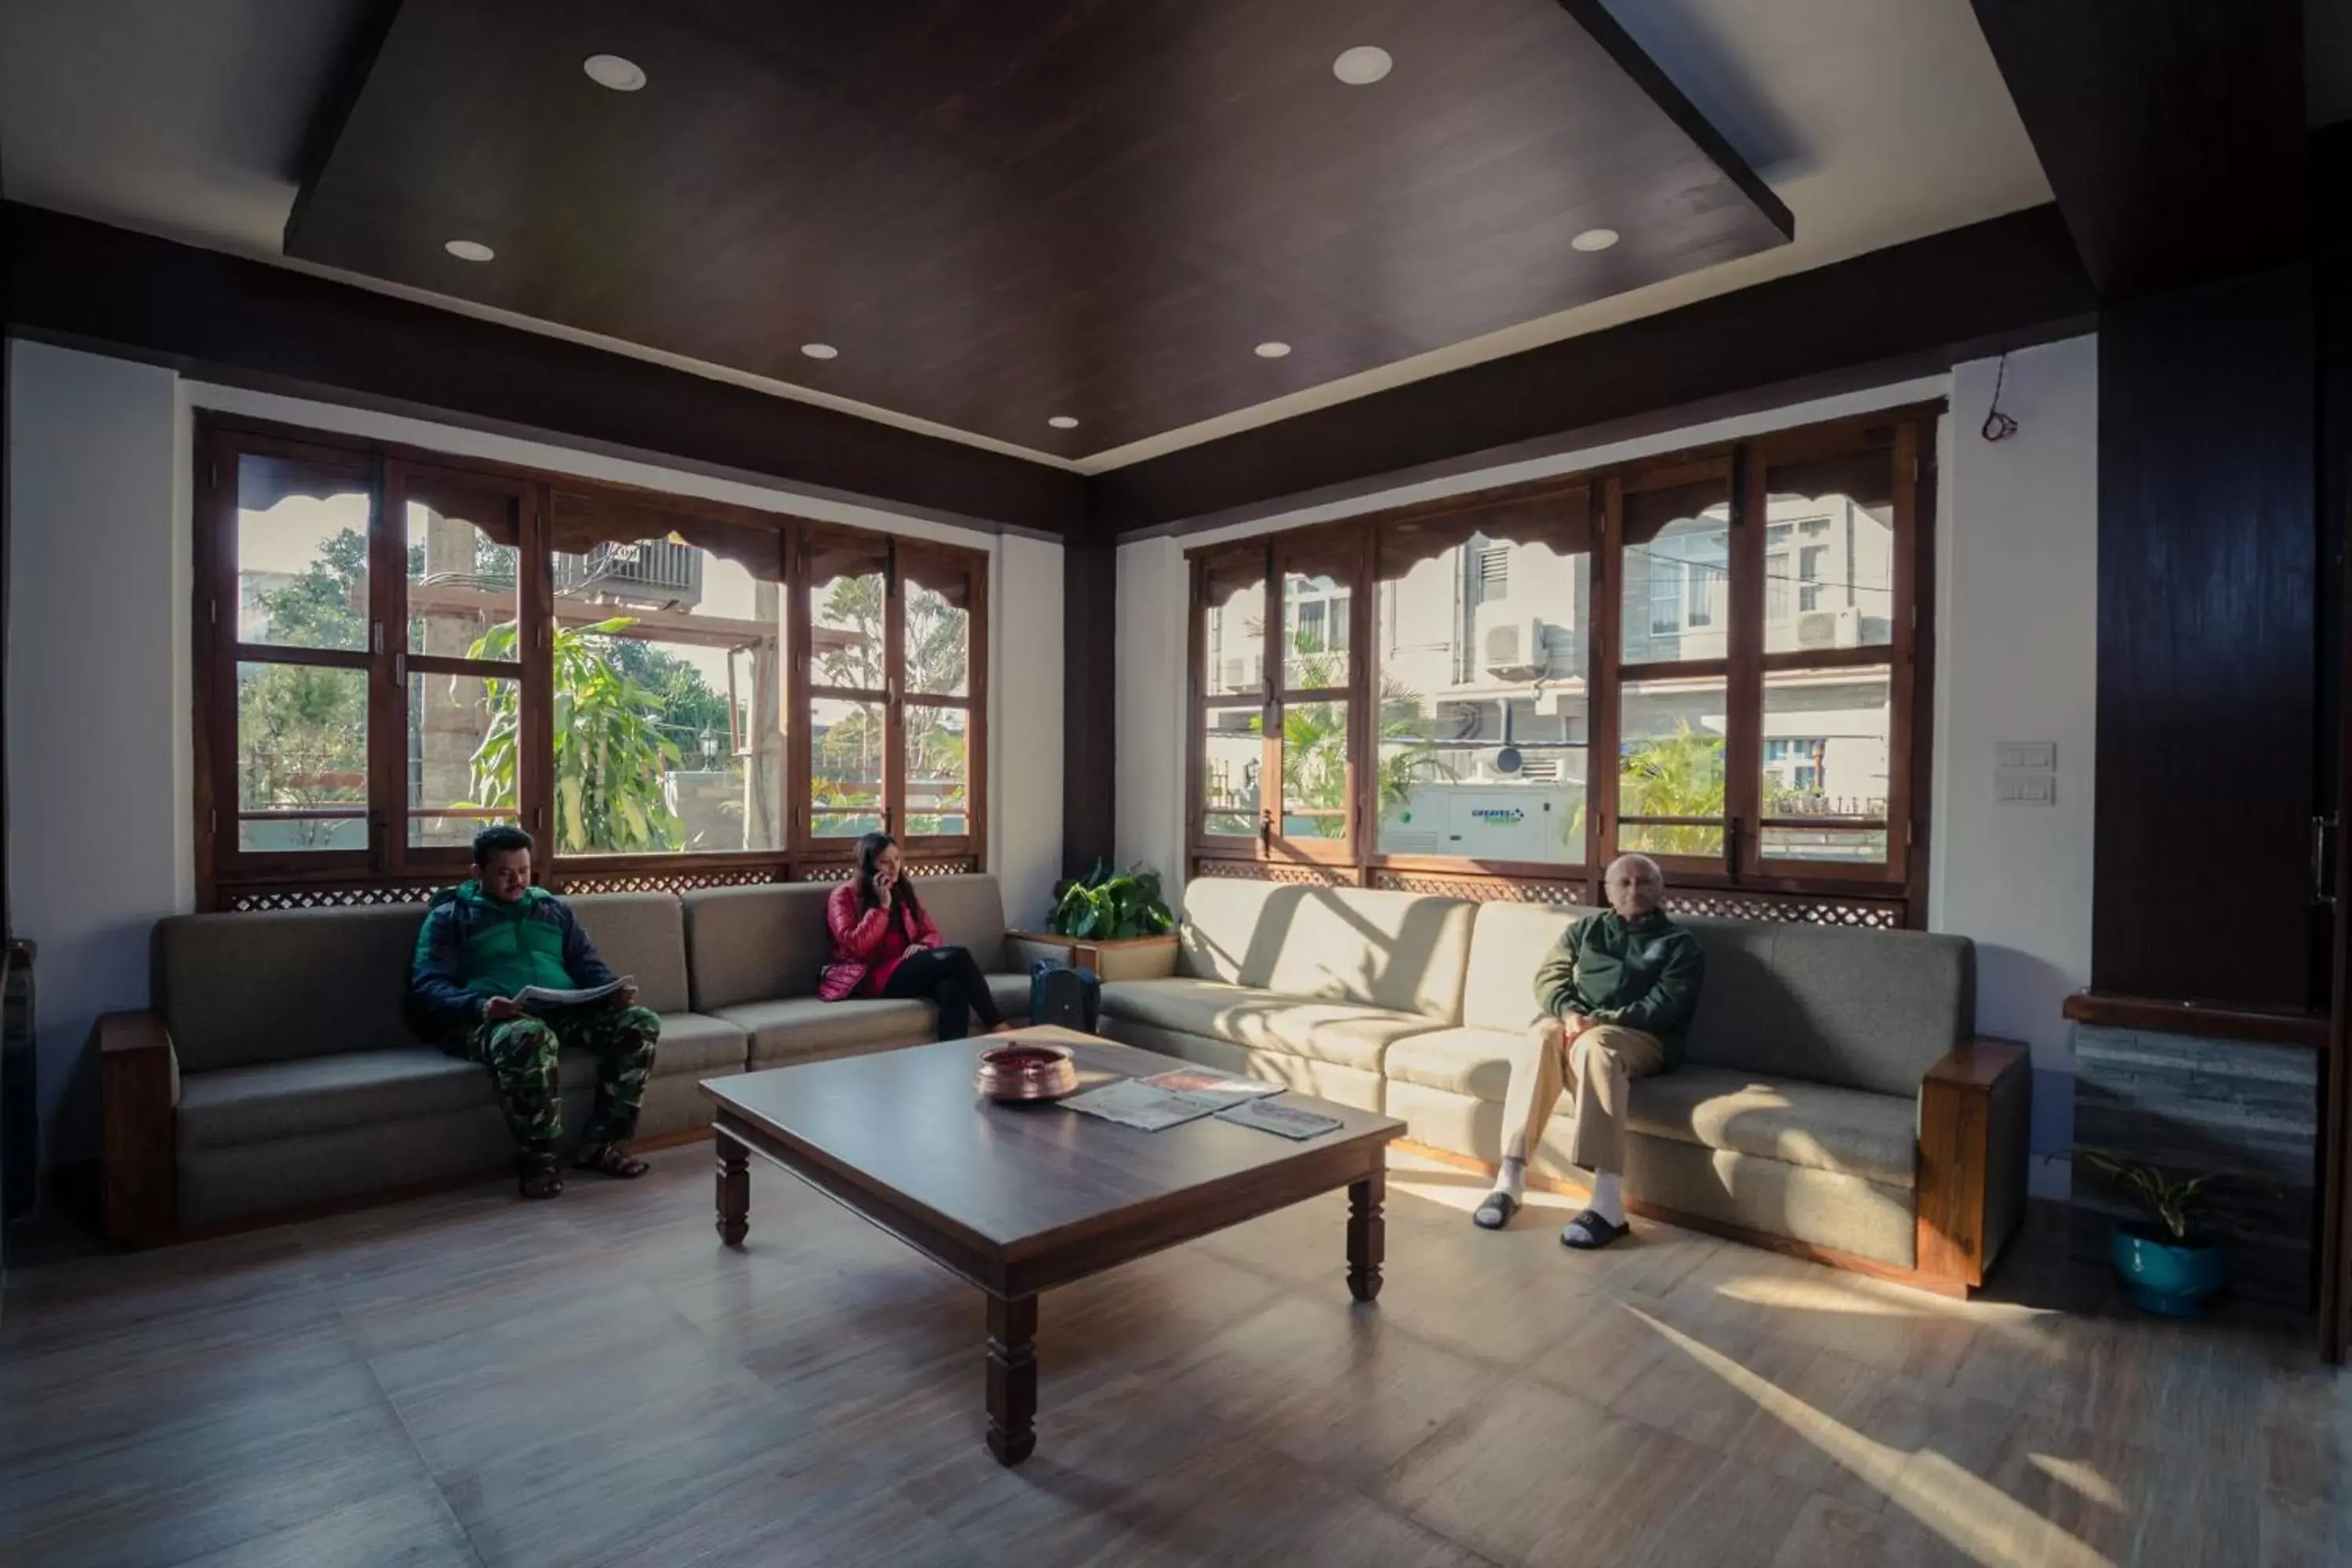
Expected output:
{"points": [[492, 840], [909, 908]]}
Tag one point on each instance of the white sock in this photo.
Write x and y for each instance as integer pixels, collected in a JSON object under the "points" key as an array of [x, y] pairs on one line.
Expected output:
{"points": [[1511, 1180], [1608, 1198]]}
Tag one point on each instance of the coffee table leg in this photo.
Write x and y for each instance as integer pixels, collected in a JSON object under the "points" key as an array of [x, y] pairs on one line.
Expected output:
{"points": [[1012, 1377], [1367, 1234], [734, 1190]]}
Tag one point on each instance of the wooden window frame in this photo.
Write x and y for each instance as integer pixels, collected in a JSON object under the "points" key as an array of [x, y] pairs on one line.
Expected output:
{"points": [[1742, 870], [389, 472]]}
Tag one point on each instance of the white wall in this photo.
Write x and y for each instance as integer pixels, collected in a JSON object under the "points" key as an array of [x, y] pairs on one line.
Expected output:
{"points": [[1148, 808], [2017, 608], [101, 845], [100, 835]]}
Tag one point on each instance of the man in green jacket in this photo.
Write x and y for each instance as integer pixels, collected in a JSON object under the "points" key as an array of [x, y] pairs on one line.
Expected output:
{"points": [[1616, 996], [480, 945]]}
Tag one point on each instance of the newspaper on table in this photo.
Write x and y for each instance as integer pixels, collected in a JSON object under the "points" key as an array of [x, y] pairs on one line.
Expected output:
{"points": [[541, 1000], [1169, 1098], [1282, 1120]]}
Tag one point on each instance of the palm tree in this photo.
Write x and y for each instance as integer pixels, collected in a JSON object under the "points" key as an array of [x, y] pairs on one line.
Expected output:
{"points": [[1314, 745], [1679, 774]]}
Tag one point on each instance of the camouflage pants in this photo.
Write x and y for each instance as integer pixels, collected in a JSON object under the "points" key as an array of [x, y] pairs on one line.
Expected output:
{"points": [[522, 1056]]}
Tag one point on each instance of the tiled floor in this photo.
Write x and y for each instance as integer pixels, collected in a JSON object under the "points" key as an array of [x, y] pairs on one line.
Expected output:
{"points": [[469, 1380]]}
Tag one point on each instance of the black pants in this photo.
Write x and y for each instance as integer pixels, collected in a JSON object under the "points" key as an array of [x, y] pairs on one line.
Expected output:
{"points": [[947, 976]]}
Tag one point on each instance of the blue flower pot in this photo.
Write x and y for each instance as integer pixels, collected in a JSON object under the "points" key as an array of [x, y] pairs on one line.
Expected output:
{"points": [[2163, 1276]]}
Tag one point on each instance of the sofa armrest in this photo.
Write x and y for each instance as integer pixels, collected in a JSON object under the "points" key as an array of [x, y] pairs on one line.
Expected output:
{"points": [[139, 1086], [1975, 1113]]}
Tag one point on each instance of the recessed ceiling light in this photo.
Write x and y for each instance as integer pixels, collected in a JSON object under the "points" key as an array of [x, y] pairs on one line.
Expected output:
{"points": [[1063, 422], [820, 350], [470, 250], [1595, 239], [1362, 66], [612, 71], [1271, 351]]}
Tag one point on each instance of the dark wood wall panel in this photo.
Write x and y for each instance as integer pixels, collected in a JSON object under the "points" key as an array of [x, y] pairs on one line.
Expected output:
{"points": [[76, 281], [2208, 587], [2012, 275], [1090, 702]]}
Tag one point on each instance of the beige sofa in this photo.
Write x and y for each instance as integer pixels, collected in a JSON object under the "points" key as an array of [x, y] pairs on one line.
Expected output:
{"points": [[276, 1068], [1834, 1101]]}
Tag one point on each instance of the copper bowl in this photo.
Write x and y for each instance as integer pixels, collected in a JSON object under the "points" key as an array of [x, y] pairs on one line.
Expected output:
{"points": [[1026, 1070]]}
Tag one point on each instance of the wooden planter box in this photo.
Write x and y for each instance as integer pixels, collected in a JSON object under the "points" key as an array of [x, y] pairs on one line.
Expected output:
{"points": [[1135, 958]]}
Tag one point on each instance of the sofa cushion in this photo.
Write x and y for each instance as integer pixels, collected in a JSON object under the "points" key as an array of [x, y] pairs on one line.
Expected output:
{"points": [[1475, 1062], [1011, 993], [795, 1026], [754, 944], [1400, 952], [240, 989], [311, 1095], [1859, 1009], [320, 1094], [1819, 1126], [971, 914], [1507, 944], [642, 935], [1341, 1032]]}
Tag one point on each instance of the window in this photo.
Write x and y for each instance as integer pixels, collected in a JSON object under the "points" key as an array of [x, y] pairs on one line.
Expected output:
{"points": [[394, 648], [1750, 676]]}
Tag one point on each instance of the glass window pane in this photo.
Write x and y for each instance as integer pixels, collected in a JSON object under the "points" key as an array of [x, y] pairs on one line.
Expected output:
{"points": [[301, 554], [939, 772], [670, 699], [462, 732], [1826, 761], [1677, 575], [1314, 770], [938, 640], [1484, 705], [1232, 751], [463, 569], [1314, 611], [301, 757], [845, 777], [1670, 766], [1232, 634], [1829, 569], [847, 597]]}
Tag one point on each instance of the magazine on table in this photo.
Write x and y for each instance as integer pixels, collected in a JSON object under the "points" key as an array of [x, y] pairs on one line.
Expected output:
{"points": [[1168, 1099], [542, 1000], [1282, 1120]]}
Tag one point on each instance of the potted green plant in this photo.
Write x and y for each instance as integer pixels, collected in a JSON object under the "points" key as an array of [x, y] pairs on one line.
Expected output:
{"points": [[1115, 923], [2166, 1265]]}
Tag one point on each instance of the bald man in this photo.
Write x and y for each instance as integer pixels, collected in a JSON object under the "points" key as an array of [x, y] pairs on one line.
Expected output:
{"points": [[1615, 995]]}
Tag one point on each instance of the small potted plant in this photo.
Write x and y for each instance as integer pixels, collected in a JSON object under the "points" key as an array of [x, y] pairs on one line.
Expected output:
{"points": [[1115, 923], [2165, 1265]]}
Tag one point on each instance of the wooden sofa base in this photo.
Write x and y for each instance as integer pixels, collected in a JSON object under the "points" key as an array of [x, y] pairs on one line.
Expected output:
{"points": [[357, 1203], [1829, 1257]]}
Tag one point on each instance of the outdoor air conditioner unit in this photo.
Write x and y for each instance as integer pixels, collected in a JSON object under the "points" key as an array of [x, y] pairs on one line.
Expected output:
{"points": [[1817, 628], [1849, 627], [1511, 647]]}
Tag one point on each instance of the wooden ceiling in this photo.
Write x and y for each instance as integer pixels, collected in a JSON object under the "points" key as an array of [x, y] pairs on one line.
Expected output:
{"points": [[1003, 211]]}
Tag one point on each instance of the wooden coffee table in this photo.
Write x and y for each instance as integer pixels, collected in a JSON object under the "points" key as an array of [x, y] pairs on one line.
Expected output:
{"points": [[1018, 1199]]}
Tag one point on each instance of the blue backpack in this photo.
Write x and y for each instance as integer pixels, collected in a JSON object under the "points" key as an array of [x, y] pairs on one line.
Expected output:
{"points": [[1060, 995]]}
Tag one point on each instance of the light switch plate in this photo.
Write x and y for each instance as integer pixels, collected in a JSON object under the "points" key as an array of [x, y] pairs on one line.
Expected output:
{"points": [[2025, 787], [2029, 754]]}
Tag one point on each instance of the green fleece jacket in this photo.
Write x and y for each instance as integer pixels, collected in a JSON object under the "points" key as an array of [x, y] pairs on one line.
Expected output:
{"points": [[1641, 974]]}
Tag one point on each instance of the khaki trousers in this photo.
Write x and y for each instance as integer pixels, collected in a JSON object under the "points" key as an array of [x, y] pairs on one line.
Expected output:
{"points": [[1599, 1067]]}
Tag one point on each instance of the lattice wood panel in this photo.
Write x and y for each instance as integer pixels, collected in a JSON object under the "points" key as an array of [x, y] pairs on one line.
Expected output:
{"points": [[963, 866], [1265, 871], [1809, 910], [247, 900], [671, 881], [1484, 890]]}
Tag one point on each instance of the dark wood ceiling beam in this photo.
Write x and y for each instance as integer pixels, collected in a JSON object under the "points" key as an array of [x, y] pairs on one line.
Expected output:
{"points": [[1987, 283], [2172, 131], [71, 281]]}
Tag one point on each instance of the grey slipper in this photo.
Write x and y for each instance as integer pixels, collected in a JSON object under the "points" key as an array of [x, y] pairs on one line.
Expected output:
{"points": [[1496, 1212], [1587, 1232]]}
